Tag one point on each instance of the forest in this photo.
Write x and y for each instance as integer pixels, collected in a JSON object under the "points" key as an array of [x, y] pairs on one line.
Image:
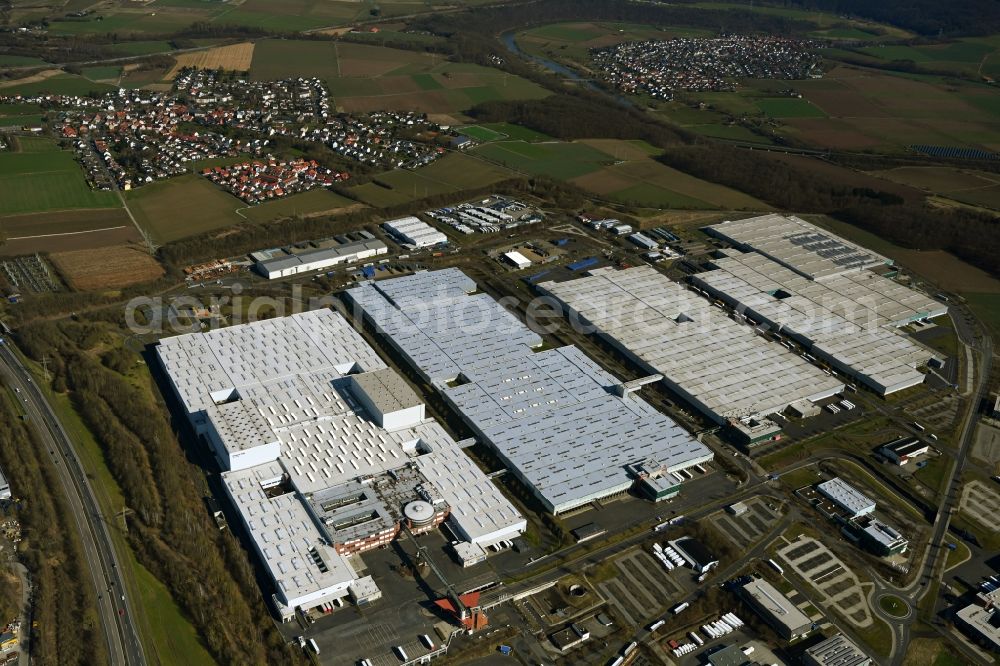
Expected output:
{"points": [[65, 604], [207, 571]]}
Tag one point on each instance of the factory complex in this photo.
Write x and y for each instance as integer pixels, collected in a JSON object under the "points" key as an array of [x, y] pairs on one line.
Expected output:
{"points": [[569, 431], [275, 264], [414, 232], [719, 365], [326, 452], [816, 289]]}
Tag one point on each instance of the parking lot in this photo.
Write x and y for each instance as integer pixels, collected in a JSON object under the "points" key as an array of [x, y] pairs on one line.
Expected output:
{"points": [[833, 581], [981, 503], [642, 586], [751, 526]]}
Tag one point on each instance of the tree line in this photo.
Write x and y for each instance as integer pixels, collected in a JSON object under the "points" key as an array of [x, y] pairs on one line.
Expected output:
{"points": [[206, 571], [65, 603], [970, 235]]}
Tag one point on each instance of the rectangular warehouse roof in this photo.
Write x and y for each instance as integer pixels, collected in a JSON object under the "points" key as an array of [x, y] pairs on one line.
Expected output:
{"points": [[846, 496], [550, 415], [776, 607], [838, 650], [799, 245], [849, 320], [289, 381], [718, 364]]}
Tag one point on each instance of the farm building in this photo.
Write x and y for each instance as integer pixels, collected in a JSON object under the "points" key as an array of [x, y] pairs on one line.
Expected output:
{"points": [[415, 232], [326, 452], [561, 424], [320, 259], [905, 449], [846, 497], [838, 650], [719, 365]]}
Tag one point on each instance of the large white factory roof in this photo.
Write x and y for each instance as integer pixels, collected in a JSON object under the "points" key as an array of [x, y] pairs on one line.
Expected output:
{"points": [[414, 231], [846, 496], [850, 318], [803, 247], [720, 365], [289, 382], [549, 414]]}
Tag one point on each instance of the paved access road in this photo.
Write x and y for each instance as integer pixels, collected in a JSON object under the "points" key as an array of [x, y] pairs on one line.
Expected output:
{"points": [[114, 609]]}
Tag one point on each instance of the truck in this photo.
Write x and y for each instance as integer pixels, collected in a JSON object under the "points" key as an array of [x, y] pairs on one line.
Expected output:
{"points": [[679, 607], [312, 644], [427, 641], [656, 625], [401, 653]]}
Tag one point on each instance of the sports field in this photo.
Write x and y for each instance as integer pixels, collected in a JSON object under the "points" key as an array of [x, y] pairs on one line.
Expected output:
{"points": [[452, 173], [183, 206], [501, 131], [364, 77], [46, 180]]}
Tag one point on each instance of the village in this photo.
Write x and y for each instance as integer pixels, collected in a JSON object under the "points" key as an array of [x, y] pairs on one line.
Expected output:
{"points": [[661, 68], [129, 138]]}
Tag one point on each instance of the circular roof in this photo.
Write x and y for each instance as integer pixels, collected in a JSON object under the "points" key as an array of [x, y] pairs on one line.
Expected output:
{"points": [[418, 511]]}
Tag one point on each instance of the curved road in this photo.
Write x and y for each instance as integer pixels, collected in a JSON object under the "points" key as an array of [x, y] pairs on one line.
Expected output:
{"points": [[114, 609]]}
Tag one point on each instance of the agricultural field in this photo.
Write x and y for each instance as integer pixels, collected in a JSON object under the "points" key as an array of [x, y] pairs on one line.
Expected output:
{"points": [[232, 57], [973, 56], [106, 268], [183, 206], [827, 24], [366, 78], [618, 171], [978, 188], [893, 112], [556, 159], [53, 81], [46, 180], [571, 42], [789, 107], [314, 202], [19, 115], [452, 173]]}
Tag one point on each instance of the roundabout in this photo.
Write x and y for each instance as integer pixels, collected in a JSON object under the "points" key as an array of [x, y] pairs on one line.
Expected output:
{"points": [[894, 606]]}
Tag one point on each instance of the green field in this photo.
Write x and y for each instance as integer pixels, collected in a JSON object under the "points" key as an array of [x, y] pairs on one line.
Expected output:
{"points": [[517, 132], [453, 173], [312, 202], [102, 73], [557, 159], [364, 77], [183, 206], [482, 133], [18, 61], [46, 180], [789, 107], [60, 84], [142, 47]]}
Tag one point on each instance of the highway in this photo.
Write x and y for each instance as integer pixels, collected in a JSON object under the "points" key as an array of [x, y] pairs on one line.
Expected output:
{"points": [[114, 608]]}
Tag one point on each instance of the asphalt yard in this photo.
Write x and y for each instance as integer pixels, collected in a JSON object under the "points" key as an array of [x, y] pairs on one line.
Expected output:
{"points": [[748, 528], [838, 585], [642, 586], [981, 503]]}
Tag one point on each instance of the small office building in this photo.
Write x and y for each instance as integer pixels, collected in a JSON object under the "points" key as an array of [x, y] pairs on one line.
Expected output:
{"points": [[776, 609]]}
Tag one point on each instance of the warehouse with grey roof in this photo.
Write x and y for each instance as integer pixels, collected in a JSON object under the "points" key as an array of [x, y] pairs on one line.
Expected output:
{"points": [[718, 364], [814, 288], [566, 428]]}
